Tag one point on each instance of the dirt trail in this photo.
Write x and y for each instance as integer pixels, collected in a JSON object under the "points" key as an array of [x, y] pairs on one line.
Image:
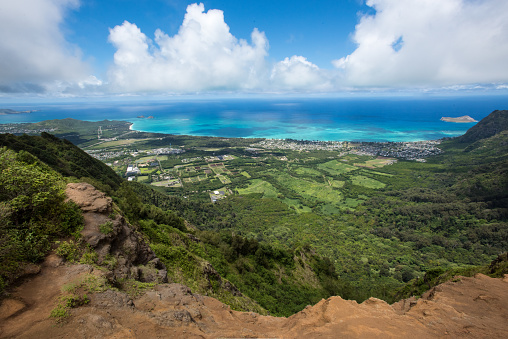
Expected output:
{"points": [[470, 307], [32, 302]]}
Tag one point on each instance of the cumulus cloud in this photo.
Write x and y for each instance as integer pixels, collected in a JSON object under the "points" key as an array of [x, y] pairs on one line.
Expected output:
{"points": [[297, 73], [203, 56], [34, 52], [429, 43]]}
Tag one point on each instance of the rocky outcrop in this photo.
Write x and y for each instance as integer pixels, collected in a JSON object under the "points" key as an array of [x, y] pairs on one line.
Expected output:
{"points": [[115, 241]]}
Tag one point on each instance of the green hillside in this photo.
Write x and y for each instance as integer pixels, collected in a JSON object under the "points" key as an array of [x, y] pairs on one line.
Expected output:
{"points": [[35, 216]]}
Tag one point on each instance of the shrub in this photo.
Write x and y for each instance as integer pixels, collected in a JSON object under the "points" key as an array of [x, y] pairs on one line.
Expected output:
{"points": [[65, 303], [106, 228], [89, 257], [69, 250]]}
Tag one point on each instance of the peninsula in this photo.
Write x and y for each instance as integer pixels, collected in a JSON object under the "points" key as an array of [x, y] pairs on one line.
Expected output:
{"points": [[5, 111], [462, 119]]}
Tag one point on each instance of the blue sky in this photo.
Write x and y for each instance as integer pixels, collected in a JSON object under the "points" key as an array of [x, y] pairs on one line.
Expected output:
{"points": [[85, 48], [321, 33]]}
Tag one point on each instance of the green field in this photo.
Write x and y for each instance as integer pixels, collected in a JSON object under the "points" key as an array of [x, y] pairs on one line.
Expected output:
{"points": [[375, 163], [335, 167], [143, 178], [167, 183], [146, 170], [310, 189], [259, 186], [335, 183], [115, 143], [307, 171], [381, 173], [245, 174], [361, 180], [297, 206]]}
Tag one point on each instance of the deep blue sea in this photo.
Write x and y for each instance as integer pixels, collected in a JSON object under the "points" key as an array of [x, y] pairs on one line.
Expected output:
{"points": [[340, 119]]}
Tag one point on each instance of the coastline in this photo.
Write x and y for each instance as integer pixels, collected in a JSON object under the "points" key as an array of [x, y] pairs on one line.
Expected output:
{"points": [[375, 120]]}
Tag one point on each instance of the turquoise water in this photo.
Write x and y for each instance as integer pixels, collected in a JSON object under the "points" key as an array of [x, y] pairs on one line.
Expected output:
{"points": [[356, 119]]}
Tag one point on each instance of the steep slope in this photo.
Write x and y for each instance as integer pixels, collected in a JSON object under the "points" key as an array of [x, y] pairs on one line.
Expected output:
{"points": [[201, 260], [113, 239], [63, 157], [494, 123]]}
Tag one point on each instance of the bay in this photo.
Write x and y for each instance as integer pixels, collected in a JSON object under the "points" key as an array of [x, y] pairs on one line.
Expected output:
{"points": [[339, 119]]}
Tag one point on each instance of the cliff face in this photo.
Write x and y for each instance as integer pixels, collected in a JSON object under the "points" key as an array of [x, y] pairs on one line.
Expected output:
{"points": [[113, 239]]}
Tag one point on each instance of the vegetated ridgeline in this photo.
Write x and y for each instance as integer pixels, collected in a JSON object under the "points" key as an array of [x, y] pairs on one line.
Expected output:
{"points": [[494, 123], [475, 307]]}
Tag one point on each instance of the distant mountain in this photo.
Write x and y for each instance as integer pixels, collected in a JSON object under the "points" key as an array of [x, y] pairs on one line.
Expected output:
{"points": [[489, 126]]}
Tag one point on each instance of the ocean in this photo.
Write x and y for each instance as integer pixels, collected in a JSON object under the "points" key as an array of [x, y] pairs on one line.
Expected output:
{"points": [[339, 119]]}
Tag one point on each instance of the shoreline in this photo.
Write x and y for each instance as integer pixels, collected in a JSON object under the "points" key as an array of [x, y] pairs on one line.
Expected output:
{"points": [[132, 128], [303, 141]]}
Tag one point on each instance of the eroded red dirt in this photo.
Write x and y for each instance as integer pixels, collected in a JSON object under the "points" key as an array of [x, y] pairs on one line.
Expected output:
{"points": [[470, 307]]}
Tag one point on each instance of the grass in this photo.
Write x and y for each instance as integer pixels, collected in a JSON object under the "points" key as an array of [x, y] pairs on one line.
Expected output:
{"points": [[335, 167], [310, 189], [218, 170], [375, 163], [361, 180], [308, 171], [224, 179], [106, 228], [381, 173], [296, 205], [167, 183], [75, 297], [136, 288], [65, 303], [335, 183], [245, 174], [259, 186], [330, 209], [146, 170], [143, 178], [159, 157], [117, 143]]}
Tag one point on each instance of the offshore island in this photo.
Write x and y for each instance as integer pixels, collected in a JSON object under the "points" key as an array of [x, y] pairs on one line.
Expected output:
{"points": [[462, 119]]}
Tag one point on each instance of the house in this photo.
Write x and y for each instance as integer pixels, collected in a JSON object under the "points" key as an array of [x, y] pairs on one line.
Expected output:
{"points": [[132, 171]]}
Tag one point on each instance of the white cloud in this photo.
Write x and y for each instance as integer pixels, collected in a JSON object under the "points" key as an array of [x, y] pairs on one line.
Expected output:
{"points": [[429, 43], [33, 51], [203, 56], [297, 73]]}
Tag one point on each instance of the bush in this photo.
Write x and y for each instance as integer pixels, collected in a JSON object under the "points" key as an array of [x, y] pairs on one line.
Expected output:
{"points": [[69, 250], [32, 212], [106, 228]]}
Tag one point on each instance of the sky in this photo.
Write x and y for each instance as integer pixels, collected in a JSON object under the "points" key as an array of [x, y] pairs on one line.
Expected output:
{"points": [[114, 48]]}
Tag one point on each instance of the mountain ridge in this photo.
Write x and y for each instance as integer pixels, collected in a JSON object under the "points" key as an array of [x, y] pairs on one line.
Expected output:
{"points": [[492, 124]]}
